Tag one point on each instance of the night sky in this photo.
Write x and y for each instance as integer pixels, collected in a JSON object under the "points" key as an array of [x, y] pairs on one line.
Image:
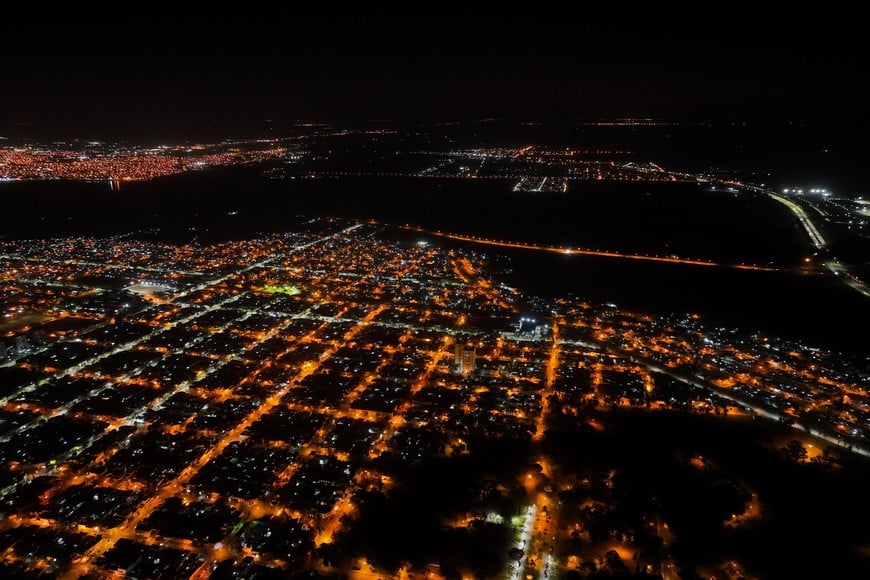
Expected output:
{"points": [[161, 66]]}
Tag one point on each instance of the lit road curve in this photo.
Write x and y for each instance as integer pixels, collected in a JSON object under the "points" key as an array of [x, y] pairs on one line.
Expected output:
{"points": [[815, 235], [818, 240]]}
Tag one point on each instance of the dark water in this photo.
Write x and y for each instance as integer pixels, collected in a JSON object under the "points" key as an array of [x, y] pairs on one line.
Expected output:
{"points": [[683, 219]]}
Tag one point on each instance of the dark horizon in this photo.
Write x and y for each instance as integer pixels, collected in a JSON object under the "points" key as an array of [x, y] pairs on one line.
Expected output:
{"points": [[97, 73]]}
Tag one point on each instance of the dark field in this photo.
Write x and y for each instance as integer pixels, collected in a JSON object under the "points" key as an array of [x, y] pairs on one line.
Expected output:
{"points": [[648, 218], [809, 524]]}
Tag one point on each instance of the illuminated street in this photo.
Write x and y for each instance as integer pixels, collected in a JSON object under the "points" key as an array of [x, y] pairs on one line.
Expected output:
{"points": [[224, 372]]}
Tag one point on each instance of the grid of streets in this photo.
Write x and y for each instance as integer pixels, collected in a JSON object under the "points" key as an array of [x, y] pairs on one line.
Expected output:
{"points": [[215, 410]]}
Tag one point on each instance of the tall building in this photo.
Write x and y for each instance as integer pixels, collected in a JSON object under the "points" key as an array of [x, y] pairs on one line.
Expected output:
{"points": [[463, 357], [22, 345], [467, 361]]}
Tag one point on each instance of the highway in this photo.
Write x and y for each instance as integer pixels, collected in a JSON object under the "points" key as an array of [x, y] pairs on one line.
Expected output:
{"points": [[815, 235]]}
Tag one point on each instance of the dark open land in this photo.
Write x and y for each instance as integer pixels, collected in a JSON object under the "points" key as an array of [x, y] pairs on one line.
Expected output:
{"points": [[649, 218], [661, 219], [646, 461]]}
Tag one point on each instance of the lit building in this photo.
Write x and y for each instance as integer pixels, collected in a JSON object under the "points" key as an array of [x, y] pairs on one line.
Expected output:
{"points": [[466, 363], [463, 358]]}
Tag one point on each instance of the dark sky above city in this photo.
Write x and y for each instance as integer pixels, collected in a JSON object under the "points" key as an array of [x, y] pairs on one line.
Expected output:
{"points": [[163, 64]]}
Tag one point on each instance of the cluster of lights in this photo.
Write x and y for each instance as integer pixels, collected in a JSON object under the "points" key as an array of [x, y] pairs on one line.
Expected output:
{"points": [[800, 191], [65, 161]]}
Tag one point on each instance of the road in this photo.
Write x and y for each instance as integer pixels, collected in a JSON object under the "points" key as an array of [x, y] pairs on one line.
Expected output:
{"points": [[653, 366], [816, 236], [539, 531], [525, 543], [585, 252]]}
